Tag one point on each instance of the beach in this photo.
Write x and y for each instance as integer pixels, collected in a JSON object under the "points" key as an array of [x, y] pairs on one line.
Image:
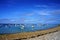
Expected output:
{"points": [[28, 35], [51, 36]]}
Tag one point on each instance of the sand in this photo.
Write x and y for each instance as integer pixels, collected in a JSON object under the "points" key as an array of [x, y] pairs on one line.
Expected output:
{"points": [[51, 36]]}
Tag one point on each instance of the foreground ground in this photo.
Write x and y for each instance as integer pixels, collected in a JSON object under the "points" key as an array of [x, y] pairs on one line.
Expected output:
{"points": [[51, 36]]}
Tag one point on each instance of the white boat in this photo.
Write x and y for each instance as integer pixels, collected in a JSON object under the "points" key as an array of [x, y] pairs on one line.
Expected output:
{"points": [[32, 26], [22, 26]]}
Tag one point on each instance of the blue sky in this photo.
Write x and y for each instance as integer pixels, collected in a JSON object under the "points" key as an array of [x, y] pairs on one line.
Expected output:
{"points": [[30, 11]]}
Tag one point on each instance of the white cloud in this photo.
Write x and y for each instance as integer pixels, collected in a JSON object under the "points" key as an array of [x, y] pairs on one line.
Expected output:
{"points": [[56, 12], [42, 12], [41, 5], [29, 14], [38, 12], [47, 12], [31, 17]]}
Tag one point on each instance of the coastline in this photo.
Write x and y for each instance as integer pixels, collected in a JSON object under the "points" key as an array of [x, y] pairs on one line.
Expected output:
{"points": [[26, 35]]}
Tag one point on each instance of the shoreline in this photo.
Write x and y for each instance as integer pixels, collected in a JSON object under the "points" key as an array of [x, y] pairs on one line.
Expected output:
{"points": [[26, 35]]}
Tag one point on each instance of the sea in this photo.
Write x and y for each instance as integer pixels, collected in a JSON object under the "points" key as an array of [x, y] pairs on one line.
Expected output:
{"points": [[20, 28]]}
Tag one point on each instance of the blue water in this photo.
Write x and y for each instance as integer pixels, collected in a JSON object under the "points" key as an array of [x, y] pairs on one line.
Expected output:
{"points": [[27, 28]]}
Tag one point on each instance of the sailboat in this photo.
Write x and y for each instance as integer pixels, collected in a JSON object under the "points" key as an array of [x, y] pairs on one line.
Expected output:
{"points": [[32, 27]]}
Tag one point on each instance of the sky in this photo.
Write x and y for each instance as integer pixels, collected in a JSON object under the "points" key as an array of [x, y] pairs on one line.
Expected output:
{"points": [[30, 11]]}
